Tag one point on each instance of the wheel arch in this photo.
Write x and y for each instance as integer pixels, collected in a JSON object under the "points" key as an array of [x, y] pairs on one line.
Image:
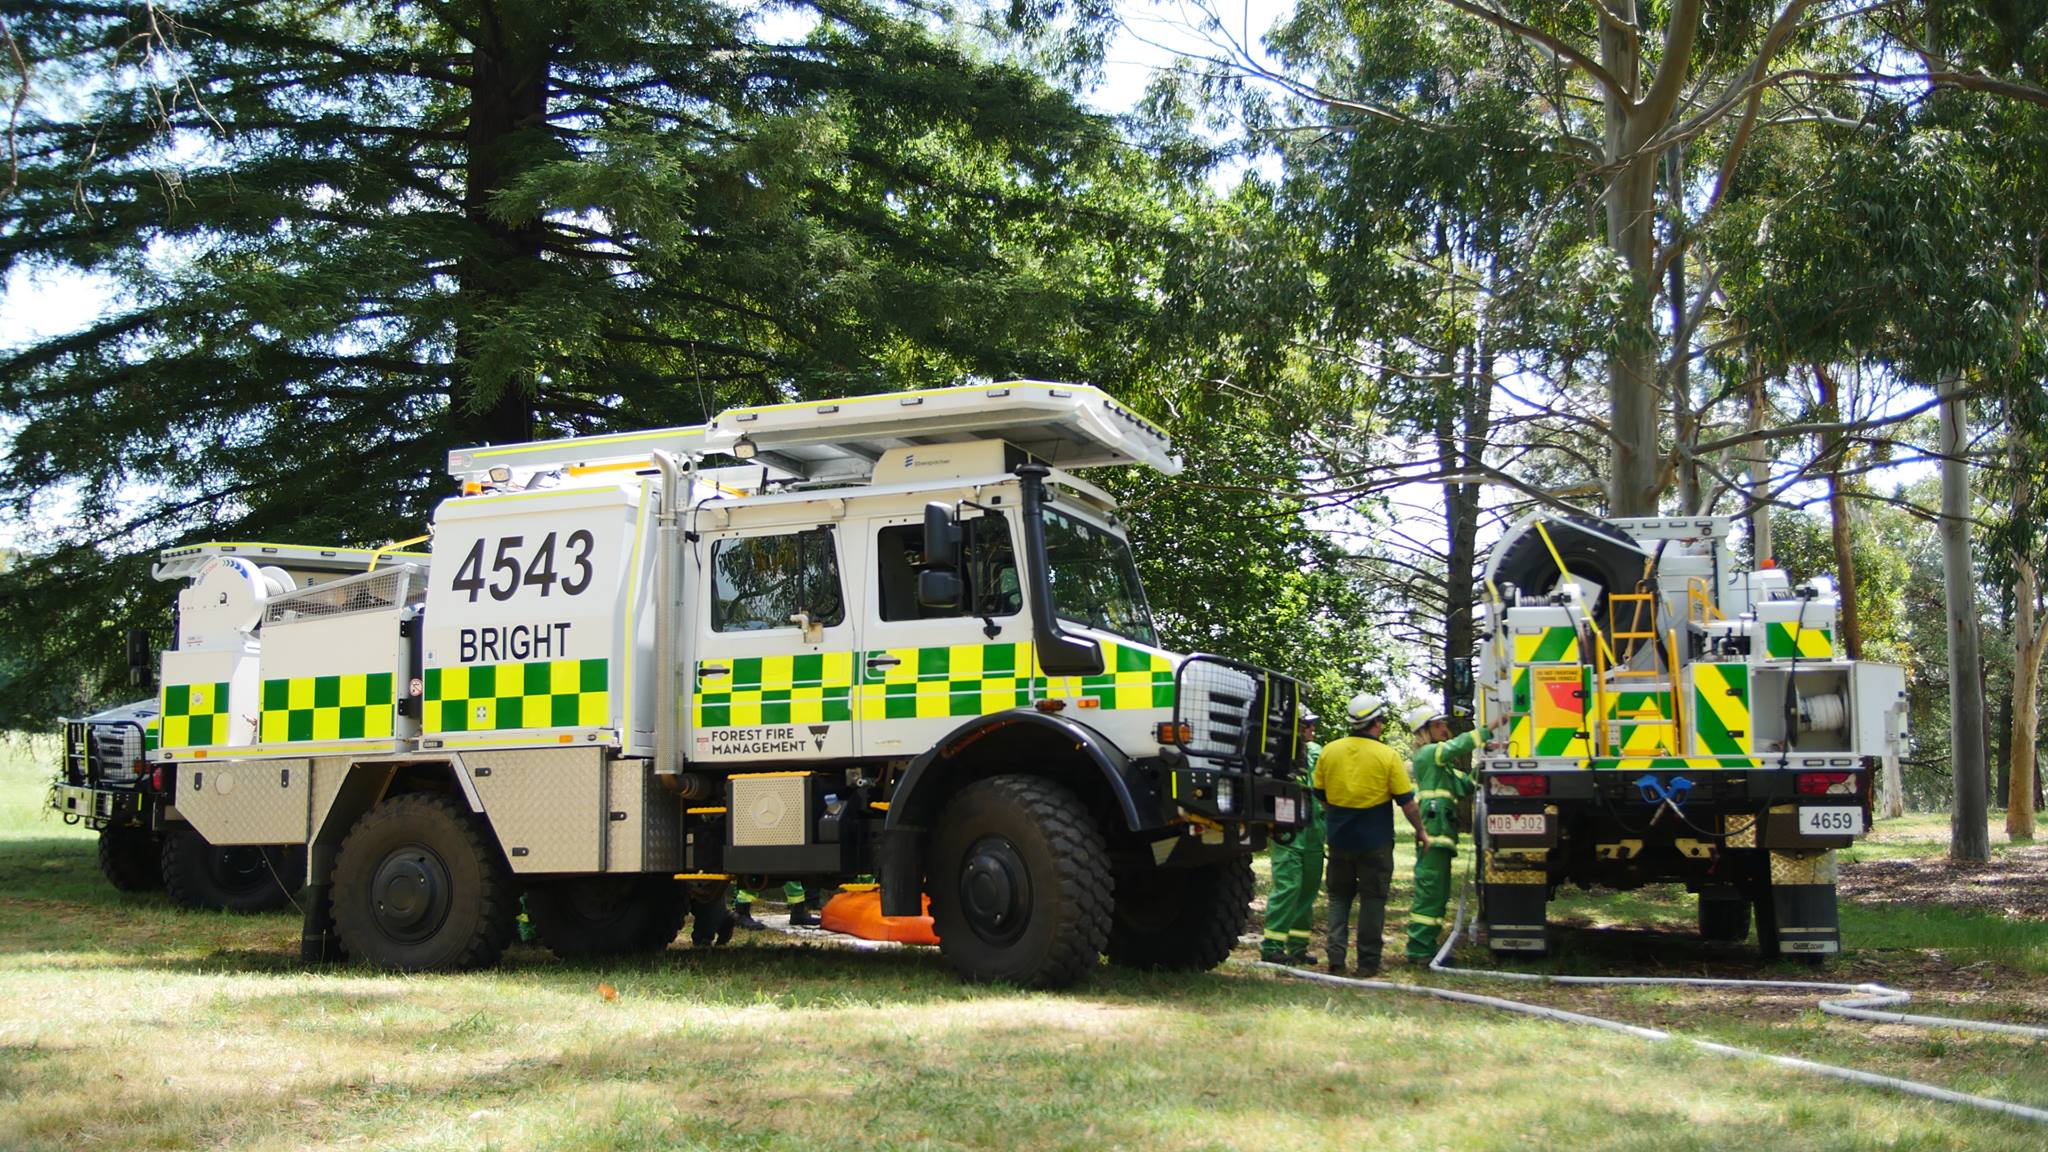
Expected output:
{"points": [[1004, 743]]}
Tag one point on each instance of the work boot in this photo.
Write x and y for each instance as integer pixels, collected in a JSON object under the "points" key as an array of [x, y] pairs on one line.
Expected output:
{"points": [[743, 915], [801, 916], [1336, 965], [1299, 960], [725, 926]]}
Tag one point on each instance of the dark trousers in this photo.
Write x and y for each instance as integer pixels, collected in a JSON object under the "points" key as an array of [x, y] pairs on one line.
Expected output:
{"points": [[1364, 876]]}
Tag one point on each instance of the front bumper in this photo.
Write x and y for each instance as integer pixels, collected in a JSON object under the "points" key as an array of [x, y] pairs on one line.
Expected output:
{"points": [[1725, 808], [99, 807]]}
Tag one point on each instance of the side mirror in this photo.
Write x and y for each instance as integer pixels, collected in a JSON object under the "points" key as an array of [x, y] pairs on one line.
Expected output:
{"points": [[941, 537], [141, 659], [939, 588]]}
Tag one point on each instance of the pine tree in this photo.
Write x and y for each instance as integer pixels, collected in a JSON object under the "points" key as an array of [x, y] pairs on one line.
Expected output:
{"points": [[349, 237]]}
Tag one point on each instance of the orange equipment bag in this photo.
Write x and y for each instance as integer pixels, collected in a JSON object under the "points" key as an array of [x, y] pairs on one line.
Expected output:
{"points": [[858, 912]]}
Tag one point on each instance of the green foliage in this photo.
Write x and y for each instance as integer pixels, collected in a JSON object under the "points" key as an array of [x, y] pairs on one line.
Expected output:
{"points": [[348, 238]]}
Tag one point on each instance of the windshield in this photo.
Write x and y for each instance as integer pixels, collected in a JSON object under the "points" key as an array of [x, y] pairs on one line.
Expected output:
{"points": [[1093, 580]]}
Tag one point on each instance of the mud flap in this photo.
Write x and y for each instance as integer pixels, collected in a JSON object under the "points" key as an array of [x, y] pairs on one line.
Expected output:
{"points": [[1516, 917], [1796, 913]]}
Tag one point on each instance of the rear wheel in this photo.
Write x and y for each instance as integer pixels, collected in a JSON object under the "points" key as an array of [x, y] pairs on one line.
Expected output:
{"points": [[230, 877], [131, 859], [1724, 919], [1020, 884], [587, 916], [1180, 920], [419, 885]]}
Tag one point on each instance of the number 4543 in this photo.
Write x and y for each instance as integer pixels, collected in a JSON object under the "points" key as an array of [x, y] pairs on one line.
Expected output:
{"points": [[509, 572]]}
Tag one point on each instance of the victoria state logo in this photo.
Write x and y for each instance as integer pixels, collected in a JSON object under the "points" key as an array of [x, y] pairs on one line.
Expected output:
{"points": [[818, 734]]}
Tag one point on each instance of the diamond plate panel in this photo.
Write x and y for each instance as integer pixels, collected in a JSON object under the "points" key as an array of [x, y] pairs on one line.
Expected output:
{"points": [[246, 802], [546, 805], [647, 825], [768, 811], [1818, 868]]}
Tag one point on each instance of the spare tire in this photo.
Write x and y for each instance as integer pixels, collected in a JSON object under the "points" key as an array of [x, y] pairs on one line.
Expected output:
{"points": [[1592, 550]]}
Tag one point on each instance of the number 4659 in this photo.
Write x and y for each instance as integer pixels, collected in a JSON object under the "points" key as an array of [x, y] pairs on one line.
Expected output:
{"points": [[509, 573]]}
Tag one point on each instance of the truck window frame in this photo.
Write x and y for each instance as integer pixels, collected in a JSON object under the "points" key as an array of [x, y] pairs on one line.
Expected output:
{"points": [[817, 569]]}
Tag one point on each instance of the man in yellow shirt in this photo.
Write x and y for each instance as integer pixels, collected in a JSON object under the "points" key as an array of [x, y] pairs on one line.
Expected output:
{"points": [[1360, 781]]}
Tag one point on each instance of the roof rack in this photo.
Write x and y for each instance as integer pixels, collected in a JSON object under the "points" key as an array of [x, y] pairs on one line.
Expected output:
{"points": [[1065, 425], [185, 560]]}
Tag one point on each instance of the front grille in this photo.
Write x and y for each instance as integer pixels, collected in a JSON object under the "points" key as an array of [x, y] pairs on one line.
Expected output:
{"points": [[104, 753], [1238, 715]]}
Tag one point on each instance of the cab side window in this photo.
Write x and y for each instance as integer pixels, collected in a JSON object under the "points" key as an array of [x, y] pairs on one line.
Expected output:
{"points": [[989, 572], [759, 582]]}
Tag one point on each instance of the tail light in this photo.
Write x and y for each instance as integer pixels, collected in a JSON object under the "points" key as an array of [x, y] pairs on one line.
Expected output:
{"points": [[1825, 784], [1518, 784]]}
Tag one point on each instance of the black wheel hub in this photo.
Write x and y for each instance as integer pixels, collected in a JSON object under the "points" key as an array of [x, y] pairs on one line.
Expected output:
{"points": [[239, 869], [409, 894], [995, 890]]}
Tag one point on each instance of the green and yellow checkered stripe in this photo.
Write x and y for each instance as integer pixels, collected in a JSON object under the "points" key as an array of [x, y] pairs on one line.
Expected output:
{"points": [[1132, 678], [357, 706], [502, 697], [1721, 717], [960, 680], [922, 683], [194, 715], [814, 688], [1556, 644], [1785, 641]]}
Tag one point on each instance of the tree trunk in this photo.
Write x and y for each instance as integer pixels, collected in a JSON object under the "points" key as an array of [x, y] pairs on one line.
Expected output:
{"points": [[507, 110], [1631, 213], [1969, 833], [2030, 634], [1759, 473], [1690, 499], [1462, 451], [1838, 515]]}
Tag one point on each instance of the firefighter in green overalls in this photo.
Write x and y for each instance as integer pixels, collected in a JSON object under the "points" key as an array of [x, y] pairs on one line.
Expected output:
{"points": [[1297, 870], [801, 914], [1441, 766]]}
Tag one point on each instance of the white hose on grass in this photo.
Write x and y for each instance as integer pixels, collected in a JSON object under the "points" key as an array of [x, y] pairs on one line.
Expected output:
{"points": [[1867, 999]]}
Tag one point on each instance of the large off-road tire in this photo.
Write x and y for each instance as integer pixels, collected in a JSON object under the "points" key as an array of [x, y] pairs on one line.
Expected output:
{"points": [[1020, 883], [1180, 920], [419, 885], [131, 859], [232, 877], [1724, 920], [581, 917]]}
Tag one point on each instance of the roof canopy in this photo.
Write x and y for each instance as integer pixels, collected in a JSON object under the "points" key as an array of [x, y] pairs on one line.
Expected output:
{"points": [[1066, 425]]}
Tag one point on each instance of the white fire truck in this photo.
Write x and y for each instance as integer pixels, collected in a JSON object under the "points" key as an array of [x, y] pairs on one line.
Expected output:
{"points": [[1672, 718], [900, 636]]}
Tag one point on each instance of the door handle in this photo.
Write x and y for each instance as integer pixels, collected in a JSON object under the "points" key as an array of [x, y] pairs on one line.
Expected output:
{"points": [[884, 661], [712, 672]]}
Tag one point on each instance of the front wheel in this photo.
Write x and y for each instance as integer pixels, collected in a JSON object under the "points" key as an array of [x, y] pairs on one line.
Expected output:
{"points": [[230, 877], [1020, 885], [582, 917], [418, 885], [131, 859], [1180, 920]]}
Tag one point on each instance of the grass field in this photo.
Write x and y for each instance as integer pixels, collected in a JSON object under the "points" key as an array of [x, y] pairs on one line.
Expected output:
{"points": [[125, 1023]]}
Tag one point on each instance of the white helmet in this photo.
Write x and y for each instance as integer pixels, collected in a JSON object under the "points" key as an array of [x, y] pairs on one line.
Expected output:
{"points": [[1419, 717], [1366, 708]]}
